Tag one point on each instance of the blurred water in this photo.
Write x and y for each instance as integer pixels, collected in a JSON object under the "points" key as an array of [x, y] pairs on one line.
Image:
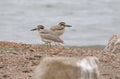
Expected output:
{"points": [[93, 21]]}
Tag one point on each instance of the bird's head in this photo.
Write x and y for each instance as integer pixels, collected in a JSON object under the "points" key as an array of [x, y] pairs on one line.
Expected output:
{"points": [[64, 24], [38, 27]]}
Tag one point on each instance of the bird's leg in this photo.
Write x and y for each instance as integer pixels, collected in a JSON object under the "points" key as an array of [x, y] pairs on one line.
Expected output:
{"points": [[55, 44], [50, 44], [46, 46]]}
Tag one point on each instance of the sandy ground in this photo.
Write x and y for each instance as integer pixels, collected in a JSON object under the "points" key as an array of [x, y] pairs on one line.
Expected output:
{"points": [[18, 61]]}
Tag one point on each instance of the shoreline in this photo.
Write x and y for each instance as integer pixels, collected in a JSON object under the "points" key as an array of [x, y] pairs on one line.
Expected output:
{"points": [[20, 44]]}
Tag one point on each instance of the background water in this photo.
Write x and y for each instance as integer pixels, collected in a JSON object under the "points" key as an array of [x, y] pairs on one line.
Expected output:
{"points": [[93, 21]]}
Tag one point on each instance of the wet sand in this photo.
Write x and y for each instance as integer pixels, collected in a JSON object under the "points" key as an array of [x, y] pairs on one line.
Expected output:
{"points": [[18, 60]]}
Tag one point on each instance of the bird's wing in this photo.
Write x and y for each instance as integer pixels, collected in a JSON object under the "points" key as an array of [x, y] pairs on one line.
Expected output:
{"points": [[51, 37]]}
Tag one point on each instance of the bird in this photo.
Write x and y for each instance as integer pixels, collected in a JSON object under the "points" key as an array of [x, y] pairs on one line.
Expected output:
{"points": [[60, 28], [47, 35]]}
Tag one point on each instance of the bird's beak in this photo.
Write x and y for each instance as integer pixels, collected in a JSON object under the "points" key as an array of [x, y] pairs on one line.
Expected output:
{"points": [[68, 25], [34, 29]]}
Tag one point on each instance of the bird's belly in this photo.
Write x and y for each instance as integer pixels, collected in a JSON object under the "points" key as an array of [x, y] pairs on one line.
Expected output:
{"points": [[47, 41]]}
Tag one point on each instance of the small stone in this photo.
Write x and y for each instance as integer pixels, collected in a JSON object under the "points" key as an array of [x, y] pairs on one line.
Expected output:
{"points": [[26, 70], [1, 66], [29, 76], [5, 76], [30, 58], [32, 50], [38, 56]]}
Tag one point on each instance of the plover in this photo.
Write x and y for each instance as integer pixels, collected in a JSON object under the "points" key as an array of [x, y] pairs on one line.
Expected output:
{"points": [[60, 28], [47, 36]]}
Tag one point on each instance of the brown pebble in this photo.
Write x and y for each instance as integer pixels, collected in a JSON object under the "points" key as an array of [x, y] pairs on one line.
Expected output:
{"points": [[26, 70], [1, 66], [38, 56], [32, 50], [5, 76]]}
